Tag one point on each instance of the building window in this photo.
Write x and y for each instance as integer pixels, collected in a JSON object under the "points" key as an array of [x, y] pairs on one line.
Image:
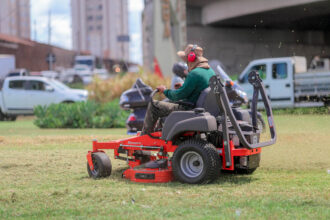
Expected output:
{"points": [[99, 27], [90, 28], [90, 18], [99, 17], [100, 7]]}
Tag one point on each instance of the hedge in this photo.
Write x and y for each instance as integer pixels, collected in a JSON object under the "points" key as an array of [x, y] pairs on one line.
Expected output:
{"points": [[81, 115]]}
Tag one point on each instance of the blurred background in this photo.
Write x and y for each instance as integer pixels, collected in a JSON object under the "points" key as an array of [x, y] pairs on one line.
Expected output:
{"points": [[93, 44], [50, 34]]}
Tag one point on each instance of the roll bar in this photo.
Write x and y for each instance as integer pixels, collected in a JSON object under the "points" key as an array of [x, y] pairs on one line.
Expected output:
{"points": [[223, 103]]}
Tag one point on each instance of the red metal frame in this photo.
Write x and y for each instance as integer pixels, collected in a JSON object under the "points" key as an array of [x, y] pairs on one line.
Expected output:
{"points": [[160, 175], [154, 143]]}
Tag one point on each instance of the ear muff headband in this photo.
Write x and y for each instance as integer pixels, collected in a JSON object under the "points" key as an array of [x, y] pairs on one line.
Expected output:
{"points": [[192, 54]]}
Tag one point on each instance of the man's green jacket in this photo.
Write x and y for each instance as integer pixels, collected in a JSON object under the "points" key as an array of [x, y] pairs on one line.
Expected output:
{"points": [[196, 81]]}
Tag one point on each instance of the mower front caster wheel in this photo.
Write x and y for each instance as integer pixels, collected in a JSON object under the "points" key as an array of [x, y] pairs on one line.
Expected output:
{"points": [[102, 166], [196, 161]]}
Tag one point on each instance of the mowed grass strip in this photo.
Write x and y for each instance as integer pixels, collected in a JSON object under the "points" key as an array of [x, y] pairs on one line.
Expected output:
{"points": [[43, 175]]}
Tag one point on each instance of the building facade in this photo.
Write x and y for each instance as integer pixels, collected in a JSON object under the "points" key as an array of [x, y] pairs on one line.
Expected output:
{"points": [[32, 55], [237, 32], [164, 33], [15, 18], [234, 33], [100, 27]]}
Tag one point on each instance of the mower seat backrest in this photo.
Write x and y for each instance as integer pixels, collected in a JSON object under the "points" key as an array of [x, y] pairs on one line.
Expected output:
{"points": [[208, 101]]}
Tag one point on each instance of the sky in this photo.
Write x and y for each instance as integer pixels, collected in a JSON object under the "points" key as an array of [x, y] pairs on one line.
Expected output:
{"points": [[61, 24]]}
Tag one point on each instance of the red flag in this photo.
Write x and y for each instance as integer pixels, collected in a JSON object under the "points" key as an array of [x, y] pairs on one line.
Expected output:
{"points": [[157, 69]]}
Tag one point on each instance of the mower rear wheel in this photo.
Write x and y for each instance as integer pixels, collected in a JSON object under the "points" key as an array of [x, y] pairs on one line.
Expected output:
{"points": [[196, 161], [102, 166]]}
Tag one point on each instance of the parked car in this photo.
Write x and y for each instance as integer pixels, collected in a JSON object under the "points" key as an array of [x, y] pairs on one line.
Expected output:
{"points": [[50, 74], [86, 60], [287, 82], [101, 73], [79, 74], [19, 95]]}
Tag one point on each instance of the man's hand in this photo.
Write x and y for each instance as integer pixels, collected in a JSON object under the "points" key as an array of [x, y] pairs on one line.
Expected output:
{"points": [[161, 88], [177, 85]]}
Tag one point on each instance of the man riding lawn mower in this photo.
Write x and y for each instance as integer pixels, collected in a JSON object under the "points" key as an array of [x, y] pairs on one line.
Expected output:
{"points": [[200, 136]]}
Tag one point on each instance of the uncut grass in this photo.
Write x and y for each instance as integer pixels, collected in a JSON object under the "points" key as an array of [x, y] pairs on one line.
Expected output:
{"points": [[43, 174]]}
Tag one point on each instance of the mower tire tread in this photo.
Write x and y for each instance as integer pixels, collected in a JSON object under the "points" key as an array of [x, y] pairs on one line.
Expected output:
{"points": [[210, 156], [102, 166]]}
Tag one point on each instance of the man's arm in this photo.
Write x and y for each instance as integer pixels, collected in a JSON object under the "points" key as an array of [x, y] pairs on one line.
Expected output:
{"points": [[184, 91]]}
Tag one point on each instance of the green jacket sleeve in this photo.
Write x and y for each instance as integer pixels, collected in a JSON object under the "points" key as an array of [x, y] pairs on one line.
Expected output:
{"points": [[184, 91]]}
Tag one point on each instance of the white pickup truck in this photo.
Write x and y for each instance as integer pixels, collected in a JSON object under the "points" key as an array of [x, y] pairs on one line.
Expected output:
{"points": [[19, 95], [287, 82]]}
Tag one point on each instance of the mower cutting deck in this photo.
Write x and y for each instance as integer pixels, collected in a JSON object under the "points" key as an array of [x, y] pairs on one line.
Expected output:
{"points": [[193, 146]]}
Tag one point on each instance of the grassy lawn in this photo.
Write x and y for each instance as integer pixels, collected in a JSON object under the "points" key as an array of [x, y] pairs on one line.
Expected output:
{"points": [[43, 175]]}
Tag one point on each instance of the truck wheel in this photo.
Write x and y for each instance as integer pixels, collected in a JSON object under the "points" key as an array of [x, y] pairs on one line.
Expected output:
{"points": [[12, 118], [2, 116], [68, 102], [196, 162], [327, 103], [102, 166], [77, 79]]}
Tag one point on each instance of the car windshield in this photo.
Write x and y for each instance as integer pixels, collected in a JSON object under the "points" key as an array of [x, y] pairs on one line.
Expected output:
{"points": [[86, 62], [59, 85]]}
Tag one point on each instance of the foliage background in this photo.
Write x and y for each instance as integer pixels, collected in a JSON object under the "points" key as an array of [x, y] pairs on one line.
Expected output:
{"points": [[103, 91], [81, 115]]}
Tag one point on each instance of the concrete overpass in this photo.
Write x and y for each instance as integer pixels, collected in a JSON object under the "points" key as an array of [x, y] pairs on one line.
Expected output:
{"points": [[236, 31]]}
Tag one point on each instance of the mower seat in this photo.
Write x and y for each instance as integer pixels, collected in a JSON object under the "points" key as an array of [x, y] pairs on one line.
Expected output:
{"points": [[207, 101], [180, 121]]}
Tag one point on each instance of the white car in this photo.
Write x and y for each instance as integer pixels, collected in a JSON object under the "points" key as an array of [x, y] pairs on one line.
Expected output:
{"points": [[19, 95], [50, 74], [101, 73], [79, 74]]}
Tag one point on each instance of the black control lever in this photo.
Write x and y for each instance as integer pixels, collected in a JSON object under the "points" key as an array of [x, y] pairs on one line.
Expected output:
{"points": [[255, 80]]}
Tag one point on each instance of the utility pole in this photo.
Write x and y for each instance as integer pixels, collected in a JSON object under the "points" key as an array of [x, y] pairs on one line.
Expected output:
{"points": [[49, 26], [35, 29], [49, 38]]}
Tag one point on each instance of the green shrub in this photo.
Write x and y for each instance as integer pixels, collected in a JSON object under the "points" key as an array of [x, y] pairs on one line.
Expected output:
{"points": [[81, 115]]}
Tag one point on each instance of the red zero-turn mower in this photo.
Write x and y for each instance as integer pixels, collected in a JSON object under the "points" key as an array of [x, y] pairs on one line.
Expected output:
{"points": [[192, 146]]}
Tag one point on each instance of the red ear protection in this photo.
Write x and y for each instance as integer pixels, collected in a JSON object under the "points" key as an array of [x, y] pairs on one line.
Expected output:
{"points": [[192, 55]]}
